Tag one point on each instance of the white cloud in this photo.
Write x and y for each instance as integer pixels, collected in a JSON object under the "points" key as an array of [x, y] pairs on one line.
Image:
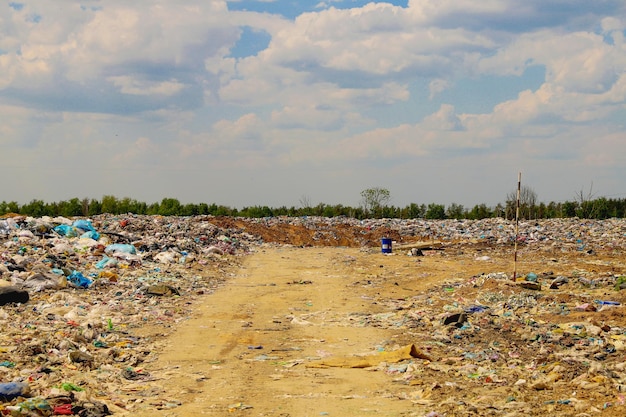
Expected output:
{"points": [[154, 85], [444, 119], [379, 39], [430, 9], [131, 85], [604, 150], [316, 117], [612, 24], [141, 151], [72, 48], [437, 86], [14, 120]]}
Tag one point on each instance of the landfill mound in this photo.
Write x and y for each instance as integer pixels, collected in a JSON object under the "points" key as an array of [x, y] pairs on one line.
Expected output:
{"points": [[310, 231], [86, 303]]}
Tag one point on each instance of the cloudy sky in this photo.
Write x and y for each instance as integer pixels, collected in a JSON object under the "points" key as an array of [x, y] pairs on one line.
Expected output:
{"points": [[276, 102]]}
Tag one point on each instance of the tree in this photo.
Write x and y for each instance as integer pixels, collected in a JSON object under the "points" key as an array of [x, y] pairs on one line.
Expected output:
{"points": [[95, 207], [305, 205], [527, 203], [542, 211], [415, 211], [553, 210], [170, 207], [85, 204], [203, 208], [594, 208], [109, 204], [190, 209], [479, 211], [128, 205], [305, 202], [498, 210], [373, 199], [455, 211], [601, 209], [435, 212], [71, 208], [569, 208], [36, 208]]}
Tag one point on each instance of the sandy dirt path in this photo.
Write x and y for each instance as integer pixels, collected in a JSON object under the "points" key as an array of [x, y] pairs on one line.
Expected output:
{"points": [[248, 347]]}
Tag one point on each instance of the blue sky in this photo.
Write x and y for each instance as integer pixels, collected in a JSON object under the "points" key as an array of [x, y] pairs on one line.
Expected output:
{"points": [[272, 102]]}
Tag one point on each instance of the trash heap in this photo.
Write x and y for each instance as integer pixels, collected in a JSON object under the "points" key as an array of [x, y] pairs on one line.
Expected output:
{"points": [[74, 293], [569, 234]]}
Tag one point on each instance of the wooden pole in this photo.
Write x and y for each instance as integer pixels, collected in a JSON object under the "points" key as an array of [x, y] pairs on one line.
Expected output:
{"points": [[519, 186]]}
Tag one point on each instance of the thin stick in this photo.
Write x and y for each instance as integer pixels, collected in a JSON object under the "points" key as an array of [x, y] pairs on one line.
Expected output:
{"points": [[519, 186]]}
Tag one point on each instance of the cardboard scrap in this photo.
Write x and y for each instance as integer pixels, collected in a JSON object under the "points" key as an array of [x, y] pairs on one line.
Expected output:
{"points": [[407, 352]]}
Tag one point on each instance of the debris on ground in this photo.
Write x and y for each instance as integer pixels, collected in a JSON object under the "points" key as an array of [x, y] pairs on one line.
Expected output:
{"points": [[75, 293]]}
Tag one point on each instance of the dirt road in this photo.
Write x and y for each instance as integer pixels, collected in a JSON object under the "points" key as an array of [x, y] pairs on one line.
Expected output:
{"points": [[248, 346], [256, 346]]}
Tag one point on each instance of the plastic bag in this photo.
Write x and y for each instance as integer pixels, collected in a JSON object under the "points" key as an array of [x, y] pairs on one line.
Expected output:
{"points": [[6, 226], [120, 247], [11, 390], [77, 279], [106, 262], [84, 225], [92, 234], [66, 230]]}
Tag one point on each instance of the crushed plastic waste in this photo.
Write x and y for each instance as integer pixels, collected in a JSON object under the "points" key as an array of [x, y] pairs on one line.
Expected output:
{"points": [[78, 280], [72, 290], [120, 248], [11, 390]]}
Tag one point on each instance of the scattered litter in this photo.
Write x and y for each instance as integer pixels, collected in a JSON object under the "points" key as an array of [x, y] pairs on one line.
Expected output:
{"points": [[78, 288], [70, 290]]}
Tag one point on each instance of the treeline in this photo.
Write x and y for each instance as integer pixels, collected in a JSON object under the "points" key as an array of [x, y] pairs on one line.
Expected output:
{"points": [[599, 208]]}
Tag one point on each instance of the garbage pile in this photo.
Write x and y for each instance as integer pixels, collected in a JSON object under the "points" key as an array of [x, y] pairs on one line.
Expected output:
{"points": [[73, 294], [570, 234]]}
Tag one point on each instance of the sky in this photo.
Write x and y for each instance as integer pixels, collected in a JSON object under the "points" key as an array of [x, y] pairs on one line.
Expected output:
{"points": [[286, 102]]}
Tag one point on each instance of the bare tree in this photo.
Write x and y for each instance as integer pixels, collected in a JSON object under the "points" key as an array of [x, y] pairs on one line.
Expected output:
{"points": [[586, 206], [305, 201], [527, 203]]}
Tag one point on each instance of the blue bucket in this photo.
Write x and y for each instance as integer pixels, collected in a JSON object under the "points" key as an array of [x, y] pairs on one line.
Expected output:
{"points": [[386, 245]]}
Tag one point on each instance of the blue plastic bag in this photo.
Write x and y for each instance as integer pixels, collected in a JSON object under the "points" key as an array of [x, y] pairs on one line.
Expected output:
{"points": [[84, 225], [11, 390], [77, 279], [106, 261], [120, 247], [476, 309], [92, 234], [66, 230]]}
